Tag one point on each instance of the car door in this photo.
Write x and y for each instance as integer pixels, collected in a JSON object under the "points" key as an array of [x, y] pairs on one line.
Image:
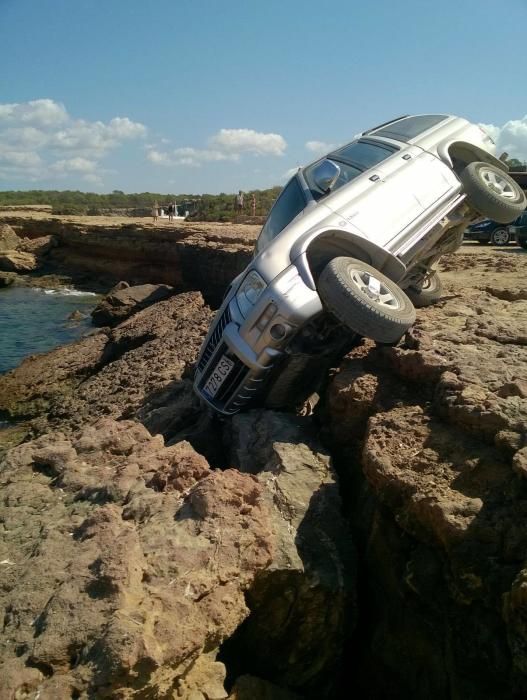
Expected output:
{"points": [[383, 200]]}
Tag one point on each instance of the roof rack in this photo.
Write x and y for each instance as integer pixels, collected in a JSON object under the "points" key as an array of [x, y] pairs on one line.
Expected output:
{"points": [[365, 133]]}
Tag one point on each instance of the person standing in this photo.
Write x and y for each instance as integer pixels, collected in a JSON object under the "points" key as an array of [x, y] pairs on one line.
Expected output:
{"points": [[170, 212], [155, 210], [238, 204]]}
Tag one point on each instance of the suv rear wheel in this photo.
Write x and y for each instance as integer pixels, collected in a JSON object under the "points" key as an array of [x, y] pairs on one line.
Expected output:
{"points": [[427, 293], [364, 300], [492, 193]]}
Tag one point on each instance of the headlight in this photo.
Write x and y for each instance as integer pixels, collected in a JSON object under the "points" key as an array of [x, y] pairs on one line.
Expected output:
{"points": [[249, 292]]}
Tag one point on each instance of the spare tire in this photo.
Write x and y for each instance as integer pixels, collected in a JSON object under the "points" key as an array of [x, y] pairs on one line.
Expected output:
{"points": [[492, 192], [364, 300]]}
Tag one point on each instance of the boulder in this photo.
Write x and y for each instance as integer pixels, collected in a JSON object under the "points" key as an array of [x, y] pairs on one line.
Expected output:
{"points": [[7, 278], [38, 246], [119, 305], [8, 239], [124, 566], [15, 261], [303, 604]]}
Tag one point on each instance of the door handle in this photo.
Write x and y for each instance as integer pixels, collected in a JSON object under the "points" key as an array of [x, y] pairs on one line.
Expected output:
{"points": [[374, 178]]}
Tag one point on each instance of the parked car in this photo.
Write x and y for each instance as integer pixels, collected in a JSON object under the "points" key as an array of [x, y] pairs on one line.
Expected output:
{"points": [[488, 231], [519, 230], [349, 248]]}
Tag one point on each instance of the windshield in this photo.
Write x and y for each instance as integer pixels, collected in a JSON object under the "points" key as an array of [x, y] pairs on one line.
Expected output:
{"points": [[288, 205]]}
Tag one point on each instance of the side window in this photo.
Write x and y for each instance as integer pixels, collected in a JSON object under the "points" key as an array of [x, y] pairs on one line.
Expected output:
{"points": [[287, 206], [364, 154]]}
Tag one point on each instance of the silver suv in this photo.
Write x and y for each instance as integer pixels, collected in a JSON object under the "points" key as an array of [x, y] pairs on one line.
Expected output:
{"points": [[348, 251]]}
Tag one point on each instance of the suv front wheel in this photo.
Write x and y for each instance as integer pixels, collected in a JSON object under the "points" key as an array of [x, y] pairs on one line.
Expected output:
{"points": [[364, 300]]}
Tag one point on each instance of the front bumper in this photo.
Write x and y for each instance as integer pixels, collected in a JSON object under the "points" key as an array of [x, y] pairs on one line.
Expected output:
{"points": [[248, 342]]}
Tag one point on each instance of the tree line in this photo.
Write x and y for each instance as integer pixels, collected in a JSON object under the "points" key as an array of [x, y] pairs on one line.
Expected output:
{"points": [[205, 207]]}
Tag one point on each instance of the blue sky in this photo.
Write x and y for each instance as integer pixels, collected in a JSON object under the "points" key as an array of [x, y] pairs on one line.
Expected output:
{"points": [[179, 96]]}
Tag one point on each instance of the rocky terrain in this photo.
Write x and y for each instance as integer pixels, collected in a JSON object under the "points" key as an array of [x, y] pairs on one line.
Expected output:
{"points": [[373, 549]]}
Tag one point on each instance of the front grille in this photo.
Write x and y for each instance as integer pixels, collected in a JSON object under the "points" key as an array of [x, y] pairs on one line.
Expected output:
{"points": [[214, 339]]}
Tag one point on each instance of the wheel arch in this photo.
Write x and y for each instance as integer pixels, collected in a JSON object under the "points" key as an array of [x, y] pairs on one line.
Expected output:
{"points": [[460, 153], [319, 248]]}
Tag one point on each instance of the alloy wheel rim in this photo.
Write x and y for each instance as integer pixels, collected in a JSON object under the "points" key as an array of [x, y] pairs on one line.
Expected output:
{"points": [[374, 289], [501, 236], [497, 184]]}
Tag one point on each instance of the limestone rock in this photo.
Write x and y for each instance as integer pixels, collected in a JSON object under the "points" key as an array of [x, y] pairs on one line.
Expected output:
{"points": [[302, 606], [7, 278], [438, 425], [40, 246], [141, 368], [114, 582], [119, 305], [15, 261], [9, 241]]}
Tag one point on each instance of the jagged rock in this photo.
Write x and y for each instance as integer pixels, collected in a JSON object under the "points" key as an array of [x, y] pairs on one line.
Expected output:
{"points": [[76, 315], [15, 261], [38, 246], [7, 278], [116, 583], [118, 287], [41, 380], [302, 606], [141, 368], [439, 427], [8, 239], [119, 305]]}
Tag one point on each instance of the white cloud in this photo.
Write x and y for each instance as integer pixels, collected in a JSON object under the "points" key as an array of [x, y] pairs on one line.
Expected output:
{"points": [[248, 141], [19, 159], [74, 165], [511, 137], [187, 156], [319, 148], [155, 156], [44, 113], [225, 145], [33, 136]]}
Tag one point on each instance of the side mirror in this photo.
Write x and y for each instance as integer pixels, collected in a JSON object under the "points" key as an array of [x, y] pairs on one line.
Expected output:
{"points": [[326, 175]]}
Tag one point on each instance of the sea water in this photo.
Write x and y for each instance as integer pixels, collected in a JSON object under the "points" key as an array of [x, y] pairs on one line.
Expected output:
{"points": [[35, 320]]}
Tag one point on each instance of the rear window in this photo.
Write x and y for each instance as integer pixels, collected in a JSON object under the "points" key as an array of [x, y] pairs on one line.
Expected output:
{"points": [[410, 127]]}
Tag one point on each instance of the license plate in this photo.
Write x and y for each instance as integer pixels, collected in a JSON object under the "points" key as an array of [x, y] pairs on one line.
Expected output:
{"points": [[218, 376]]}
